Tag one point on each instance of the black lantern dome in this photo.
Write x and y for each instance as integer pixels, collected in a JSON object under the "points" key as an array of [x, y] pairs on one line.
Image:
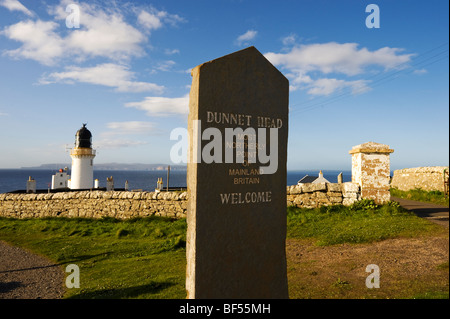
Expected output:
{"points": [[83, 138]]}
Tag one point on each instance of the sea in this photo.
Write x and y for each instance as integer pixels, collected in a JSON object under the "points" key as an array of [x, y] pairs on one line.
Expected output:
{"points": [[16, 179]]}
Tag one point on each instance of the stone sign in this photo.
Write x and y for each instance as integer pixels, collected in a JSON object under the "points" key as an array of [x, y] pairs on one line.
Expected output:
{"points": [[238, 129]]}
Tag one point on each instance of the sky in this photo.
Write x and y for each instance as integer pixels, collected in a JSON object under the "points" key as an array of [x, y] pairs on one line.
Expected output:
{"points": [[356, 74]]}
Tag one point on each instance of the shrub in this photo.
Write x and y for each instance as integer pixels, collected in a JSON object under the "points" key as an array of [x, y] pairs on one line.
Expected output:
{"points": [[121, 232], [364, 205]]}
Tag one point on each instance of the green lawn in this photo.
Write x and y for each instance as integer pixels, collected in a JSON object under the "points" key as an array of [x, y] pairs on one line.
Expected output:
{"points": [[145, 258], [140, 258], [435, 197], [364, 222]]}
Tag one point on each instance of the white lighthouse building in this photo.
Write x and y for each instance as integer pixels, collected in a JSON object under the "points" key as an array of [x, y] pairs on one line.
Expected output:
{"points": [[82, 175]]}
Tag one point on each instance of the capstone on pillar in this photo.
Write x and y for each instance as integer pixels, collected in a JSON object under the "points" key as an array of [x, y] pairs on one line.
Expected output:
{"points": [[371, 170]]}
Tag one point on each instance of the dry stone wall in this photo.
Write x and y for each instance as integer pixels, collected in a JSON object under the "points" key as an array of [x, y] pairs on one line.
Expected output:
{"points": [[312, 195], [95, 204], [426, 178], [123, 205]]}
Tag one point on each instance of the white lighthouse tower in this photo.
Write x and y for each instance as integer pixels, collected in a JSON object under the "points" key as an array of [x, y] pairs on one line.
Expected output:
{"points": [[82, 175]]}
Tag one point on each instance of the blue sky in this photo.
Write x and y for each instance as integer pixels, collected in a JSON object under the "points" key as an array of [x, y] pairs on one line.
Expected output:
{"points": [[126, 72]]}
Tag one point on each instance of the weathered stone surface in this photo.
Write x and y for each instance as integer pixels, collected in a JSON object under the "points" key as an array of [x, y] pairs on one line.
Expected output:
{"points": [[426, 178], [314, 195], [142, 204], [334, 194], [335, 200], [237, 231], [378, 195], [310, 187], [295, 189], [351, 195], [371, 148], [371, 170], [298, 201], [321, 195], [332, 187], [94, 204], [348, 201], [350, 187]]}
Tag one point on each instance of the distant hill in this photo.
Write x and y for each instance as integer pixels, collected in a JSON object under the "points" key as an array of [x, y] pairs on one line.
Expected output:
{"points": [[55, 166], [115, 167]]}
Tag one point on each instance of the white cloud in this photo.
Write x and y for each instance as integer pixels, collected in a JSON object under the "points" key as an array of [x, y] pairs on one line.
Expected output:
{"points": [[300, 77], [343, 58], [421, 71], [162, 106], [114, 138], [131, 127], [170, 52], [104, 32], [172, 19], [117, 143], [153, 19], [305, 61], [39, 41], [246, 37], [107, 74], [289, 40], [165, 65], [15, 5], [328, 86], [150, 21]]}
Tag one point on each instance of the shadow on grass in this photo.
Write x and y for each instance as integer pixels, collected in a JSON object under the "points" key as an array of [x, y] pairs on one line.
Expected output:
{"points": [[9, 286], [119, 293], [70, 260]]}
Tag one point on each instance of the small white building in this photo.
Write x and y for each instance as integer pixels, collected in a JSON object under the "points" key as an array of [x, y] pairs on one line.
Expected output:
{"points": [[60, 179], [312, 179]]}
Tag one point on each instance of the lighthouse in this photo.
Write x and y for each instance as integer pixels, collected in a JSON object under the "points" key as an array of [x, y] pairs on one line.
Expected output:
{"points": [[82, 175]]}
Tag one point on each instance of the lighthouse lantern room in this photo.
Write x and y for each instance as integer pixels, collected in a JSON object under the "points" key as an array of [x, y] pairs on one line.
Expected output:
{"points": [[82, 175]]}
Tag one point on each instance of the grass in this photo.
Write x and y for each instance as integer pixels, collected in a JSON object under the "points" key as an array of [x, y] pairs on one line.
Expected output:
{"points": [[432, 295], [138, 258], [363, 222], [146, 257], [435, 197]]}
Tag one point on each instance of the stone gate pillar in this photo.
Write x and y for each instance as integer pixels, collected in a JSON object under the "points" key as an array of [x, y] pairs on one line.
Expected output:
{"points": [[371, 170]]}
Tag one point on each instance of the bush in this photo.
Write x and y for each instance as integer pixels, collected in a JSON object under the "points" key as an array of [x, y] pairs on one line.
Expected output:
{"points": [[121, 232], [364, 205]]}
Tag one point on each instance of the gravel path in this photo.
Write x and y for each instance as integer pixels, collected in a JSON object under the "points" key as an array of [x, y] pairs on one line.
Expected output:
{"points": [[24, 275]]}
